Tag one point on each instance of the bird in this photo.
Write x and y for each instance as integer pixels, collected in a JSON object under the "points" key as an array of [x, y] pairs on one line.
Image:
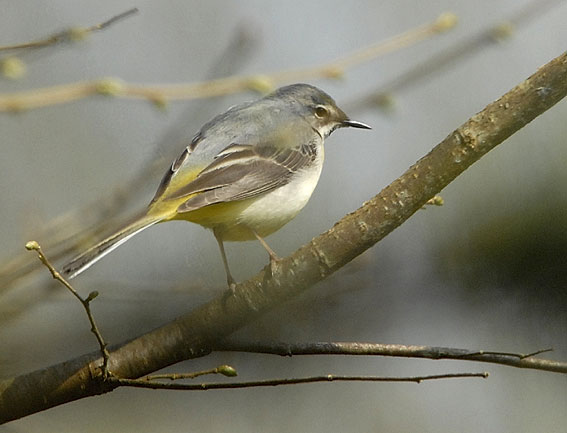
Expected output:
{"points": [[244, 175]]}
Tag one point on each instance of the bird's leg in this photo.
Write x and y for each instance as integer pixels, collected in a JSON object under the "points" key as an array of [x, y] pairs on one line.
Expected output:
{"points": [[274, 259], [231, 281]]}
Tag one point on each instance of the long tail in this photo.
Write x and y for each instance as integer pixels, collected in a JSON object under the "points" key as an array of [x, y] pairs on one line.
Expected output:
{"points": [[97, 252]]}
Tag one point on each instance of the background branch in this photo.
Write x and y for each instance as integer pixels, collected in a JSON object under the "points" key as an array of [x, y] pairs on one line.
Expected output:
{"points": [[13, 67], [454, 54], [161, 94], [194, 334], [72, 34]]}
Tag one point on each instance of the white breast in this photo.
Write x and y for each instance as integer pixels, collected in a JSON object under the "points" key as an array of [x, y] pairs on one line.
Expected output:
{"points": [[268, 213]]}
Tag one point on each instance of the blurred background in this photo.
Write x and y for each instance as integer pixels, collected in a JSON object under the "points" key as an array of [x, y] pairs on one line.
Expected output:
{"points": [[485, 271]]}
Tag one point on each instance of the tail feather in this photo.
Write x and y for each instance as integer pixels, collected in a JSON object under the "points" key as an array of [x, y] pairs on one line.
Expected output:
{"points": [[98, 251]]}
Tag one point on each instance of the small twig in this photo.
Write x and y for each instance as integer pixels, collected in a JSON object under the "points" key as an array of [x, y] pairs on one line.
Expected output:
{"points": [[85, 302], [337, 68], [140, 383], [225, 370], [508, 354], [72, 34], [112, 20], [398, 350], [159, 95], [537, 352]]}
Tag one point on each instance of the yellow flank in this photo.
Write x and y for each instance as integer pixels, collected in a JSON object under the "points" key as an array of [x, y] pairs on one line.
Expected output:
{"points": [[183, 177], [224, 217], [220, 215]]}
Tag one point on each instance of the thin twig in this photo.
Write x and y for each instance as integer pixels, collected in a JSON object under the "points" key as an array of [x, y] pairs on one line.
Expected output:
{"points": [[338, 67], [519, 356], [71, 34], [160, 94], [112, 20], [225, 370], [518, 360], [85, 302], [137, 383], [537, 352]]}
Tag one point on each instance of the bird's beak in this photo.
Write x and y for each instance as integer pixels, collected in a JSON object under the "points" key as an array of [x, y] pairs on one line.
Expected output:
{"points": [[355, 124]]}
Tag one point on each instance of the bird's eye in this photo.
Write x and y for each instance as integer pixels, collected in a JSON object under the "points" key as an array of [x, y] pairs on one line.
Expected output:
{"points": [[321, 111]]}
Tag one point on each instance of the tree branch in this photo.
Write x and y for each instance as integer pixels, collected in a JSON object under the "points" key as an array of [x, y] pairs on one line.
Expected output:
{"points": [[72, 34], [460, 50], [518, 360], [137, 383], [195, 333], [14, 68], [65, 93]]}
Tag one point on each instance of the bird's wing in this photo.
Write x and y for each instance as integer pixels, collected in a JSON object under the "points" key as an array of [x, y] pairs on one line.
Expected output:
{"points": [[243, 171], [175, 168]]}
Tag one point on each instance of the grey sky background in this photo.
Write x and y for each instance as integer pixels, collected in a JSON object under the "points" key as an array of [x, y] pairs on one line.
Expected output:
{"points": [[463, 275]]}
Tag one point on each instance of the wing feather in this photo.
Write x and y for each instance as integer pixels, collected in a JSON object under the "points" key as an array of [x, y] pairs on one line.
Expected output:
{"points": [[241, 172]]}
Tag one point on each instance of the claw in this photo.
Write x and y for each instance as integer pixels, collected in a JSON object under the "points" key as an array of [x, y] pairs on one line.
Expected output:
{"points": [[274, 264]]}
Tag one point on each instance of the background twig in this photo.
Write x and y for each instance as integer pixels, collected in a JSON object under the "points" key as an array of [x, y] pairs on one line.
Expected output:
{"points": [[72, 34], [161, 94], [457, 52]]}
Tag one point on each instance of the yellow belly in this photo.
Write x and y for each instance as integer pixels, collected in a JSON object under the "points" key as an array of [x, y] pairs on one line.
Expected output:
{"points": [[226, 219], [265, 213]]}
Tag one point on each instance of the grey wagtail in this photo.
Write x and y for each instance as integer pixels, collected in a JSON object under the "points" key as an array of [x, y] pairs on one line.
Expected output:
{"points": [[246, 173]]}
